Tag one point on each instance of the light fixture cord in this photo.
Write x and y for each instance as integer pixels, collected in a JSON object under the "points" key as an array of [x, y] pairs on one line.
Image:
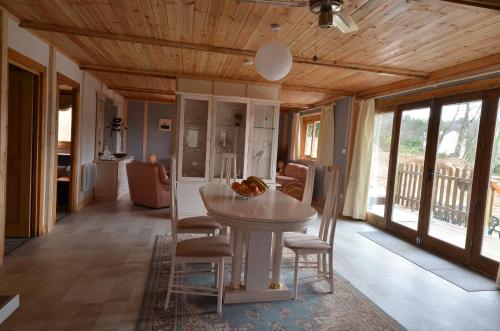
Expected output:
{"points": [[316, 44]]}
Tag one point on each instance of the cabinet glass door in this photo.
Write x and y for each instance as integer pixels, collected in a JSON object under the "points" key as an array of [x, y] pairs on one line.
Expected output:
{"points": [[263, 132], [230, 135], [194, 138]]}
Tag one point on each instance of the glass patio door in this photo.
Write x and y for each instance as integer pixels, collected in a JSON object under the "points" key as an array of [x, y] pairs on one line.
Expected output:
{"points": [[407, 169], [453, 163], [443, 190]]}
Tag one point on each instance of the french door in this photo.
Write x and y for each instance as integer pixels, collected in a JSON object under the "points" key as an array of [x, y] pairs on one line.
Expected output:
{"points": [[443, 189]]}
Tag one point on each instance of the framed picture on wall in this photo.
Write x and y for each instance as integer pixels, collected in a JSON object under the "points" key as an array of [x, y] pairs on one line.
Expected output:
{"points": [[165, 124]]}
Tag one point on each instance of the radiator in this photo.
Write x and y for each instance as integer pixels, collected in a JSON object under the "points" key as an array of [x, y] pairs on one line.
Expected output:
{"points": [[89, 176]]}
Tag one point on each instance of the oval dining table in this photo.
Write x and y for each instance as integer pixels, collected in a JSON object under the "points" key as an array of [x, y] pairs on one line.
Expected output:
{"points": [[253, 223]]}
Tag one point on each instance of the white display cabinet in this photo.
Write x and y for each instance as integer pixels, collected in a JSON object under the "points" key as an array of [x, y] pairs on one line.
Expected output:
{"points": [[230, 135], [238, 120]]}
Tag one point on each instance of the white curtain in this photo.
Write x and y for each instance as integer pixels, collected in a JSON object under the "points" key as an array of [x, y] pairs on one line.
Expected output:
{"points": [[498, 278], [356, 197], [294, 151], [326, 136]]}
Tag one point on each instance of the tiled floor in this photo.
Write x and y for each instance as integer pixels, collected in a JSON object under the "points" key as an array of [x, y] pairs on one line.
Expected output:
{"points": [[11, 244], [89, 274]]}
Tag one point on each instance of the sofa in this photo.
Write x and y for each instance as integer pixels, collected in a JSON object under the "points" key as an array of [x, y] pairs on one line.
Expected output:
{"points": [[148, 184], [293, 173]]}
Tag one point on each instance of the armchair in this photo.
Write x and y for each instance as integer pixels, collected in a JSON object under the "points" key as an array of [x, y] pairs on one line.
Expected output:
{"points": [[149, 184]]}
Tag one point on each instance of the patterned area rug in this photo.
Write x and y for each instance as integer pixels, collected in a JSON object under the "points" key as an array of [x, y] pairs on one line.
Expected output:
{"points": [[316, 309]]}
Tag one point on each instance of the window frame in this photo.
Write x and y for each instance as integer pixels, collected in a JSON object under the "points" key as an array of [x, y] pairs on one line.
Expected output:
{"points": [[305, 120]]}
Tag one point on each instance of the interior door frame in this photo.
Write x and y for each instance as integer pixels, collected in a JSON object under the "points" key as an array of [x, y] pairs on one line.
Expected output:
{"points": [[38, 196], [471, 255], [75, 141]]}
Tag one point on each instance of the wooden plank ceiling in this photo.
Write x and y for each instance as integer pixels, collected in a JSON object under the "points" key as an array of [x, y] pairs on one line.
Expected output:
{"points": [[419, 37]]}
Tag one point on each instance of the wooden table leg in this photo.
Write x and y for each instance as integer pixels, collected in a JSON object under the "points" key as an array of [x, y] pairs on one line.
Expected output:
{"points": [[277, 257], [237, 258]]}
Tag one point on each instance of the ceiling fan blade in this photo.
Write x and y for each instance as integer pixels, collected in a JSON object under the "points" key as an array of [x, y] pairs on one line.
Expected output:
{"points": [[344, 23], [287, 3]]}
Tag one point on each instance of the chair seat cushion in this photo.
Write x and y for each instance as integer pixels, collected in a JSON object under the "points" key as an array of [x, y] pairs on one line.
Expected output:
{"points": [[198, 223], [216, 246], [304, 241]]}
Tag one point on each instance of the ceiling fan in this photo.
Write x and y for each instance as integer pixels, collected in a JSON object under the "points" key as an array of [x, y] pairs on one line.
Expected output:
{"points": [[330, 12]]}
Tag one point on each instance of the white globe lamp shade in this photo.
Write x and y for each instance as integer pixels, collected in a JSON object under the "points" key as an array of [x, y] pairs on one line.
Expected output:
{"points": [[273, 61]]}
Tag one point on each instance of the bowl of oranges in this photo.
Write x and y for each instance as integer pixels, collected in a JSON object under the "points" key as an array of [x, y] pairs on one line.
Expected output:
{"points": [[250, 188]]}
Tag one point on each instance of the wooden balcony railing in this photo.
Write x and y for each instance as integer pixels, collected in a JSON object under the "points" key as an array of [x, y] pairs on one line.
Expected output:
{"points": [[451, 191]]}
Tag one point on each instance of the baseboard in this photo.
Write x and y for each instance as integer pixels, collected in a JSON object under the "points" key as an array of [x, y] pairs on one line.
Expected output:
{"points": [[84, 203]]}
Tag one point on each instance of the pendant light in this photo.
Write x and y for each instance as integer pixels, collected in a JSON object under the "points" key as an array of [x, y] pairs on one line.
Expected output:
{"points": [[273, 60]]}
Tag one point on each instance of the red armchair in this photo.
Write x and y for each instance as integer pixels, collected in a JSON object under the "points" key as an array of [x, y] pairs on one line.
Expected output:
{"points": [[149, 184]]}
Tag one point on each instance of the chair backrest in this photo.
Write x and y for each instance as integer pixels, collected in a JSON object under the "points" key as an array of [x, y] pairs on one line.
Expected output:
{"points": [[297, 171], [330, 211], [228, 168], [309, 184], [173, 193], [294, 189]]}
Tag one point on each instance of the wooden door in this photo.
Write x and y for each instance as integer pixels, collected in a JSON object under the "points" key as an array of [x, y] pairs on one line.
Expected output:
{"points": [[21, 105]]}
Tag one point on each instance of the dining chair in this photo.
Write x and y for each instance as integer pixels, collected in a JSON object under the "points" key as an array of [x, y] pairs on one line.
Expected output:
{"points": [[321, 245], [228, 168], [202, 250], [202, 224], [309, 184]]}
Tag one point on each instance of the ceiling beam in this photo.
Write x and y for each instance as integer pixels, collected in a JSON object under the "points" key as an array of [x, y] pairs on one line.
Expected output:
{"points": [[327, 101], [127, 71], [481, 85], [146, 97], [215, 49], [140, 90], [490, 4], [316, 90], [477, 67], [162, 74], [293, 106]]}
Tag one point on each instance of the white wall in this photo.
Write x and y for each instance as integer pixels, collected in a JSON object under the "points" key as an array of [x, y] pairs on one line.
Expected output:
{"points": [[90, 87], [68, 68], [34, 48], [27, 43]]}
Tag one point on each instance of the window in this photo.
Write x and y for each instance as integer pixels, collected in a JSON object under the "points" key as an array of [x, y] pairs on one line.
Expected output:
{"points": [[310, 136], [64, 122]]}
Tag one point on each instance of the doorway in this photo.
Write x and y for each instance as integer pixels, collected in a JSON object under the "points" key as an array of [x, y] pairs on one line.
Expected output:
{"points": [[443, 188], [67, 142], [22, 147]]}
